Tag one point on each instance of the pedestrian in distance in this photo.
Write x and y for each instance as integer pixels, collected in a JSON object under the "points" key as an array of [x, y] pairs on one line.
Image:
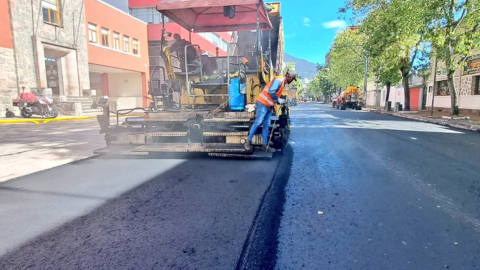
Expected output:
{"points": [[266, 101]]}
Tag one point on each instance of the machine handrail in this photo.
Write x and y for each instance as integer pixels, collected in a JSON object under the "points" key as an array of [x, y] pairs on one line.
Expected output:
{"points": [[186, 69]]}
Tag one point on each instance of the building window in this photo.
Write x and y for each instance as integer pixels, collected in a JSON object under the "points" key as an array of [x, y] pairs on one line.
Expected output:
{"points": [[135, 46], [126, 44], [213, 38], [92, 33], [442, 88], [105, 37], [476, 85], [223, 45], [149, 15], [116, 41], [51, 11]]}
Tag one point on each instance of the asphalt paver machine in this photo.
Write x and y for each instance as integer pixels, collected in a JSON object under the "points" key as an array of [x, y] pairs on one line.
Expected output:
{"points": [[207, 104]]}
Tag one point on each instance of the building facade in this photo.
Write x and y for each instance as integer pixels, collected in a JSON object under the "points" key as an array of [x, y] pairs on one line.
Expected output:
{"points": [[72, 49], [417, 94], [8, 75], [146, 11], [117, 55], [467, 84], [466, 80], [48, 45]]}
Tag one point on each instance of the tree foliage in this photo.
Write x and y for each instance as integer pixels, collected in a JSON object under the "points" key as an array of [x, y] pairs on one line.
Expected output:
{"points": [[295, 84], [399, 33], [322, 85], [394, 31], [347, 59], [453, 30]]}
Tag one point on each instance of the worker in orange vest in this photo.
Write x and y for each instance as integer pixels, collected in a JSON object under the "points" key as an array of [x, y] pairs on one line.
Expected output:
{"points": [[265, 104]]}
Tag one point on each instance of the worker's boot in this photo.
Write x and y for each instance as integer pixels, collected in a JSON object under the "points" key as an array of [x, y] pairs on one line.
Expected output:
{"points": [[269, 149], [248, 145]]}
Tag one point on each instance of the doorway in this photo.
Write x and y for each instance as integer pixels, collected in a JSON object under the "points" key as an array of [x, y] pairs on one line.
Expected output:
{"points": [[51, 70]]}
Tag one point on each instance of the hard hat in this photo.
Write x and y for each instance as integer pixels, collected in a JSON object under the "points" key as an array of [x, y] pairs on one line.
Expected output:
{"points": [[292, 74]]}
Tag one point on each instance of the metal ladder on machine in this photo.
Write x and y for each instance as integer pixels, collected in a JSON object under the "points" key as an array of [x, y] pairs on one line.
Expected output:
{"points": [[188, 84]]}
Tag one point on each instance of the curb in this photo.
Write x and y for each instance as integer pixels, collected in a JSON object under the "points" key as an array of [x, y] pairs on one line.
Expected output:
{"points": [[444, 122], [58, 119], [46, 120]]}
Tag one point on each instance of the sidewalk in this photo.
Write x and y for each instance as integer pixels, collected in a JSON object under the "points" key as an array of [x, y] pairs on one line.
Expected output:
{"points": [[472, 124], [29, 147]]}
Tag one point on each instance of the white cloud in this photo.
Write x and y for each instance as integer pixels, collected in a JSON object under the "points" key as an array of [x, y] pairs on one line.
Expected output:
{"points": [[290, 35], [335, 24], [306, 21]]}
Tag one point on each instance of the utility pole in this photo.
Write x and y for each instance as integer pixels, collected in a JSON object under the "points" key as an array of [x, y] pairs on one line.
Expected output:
{"points": [[434, 85], [365, 80]]}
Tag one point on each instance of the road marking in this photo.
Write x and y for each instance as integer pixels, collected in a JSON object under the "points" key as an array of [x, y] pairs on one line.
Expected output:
{"points": [[413, 138], [38, 121], [47, 120]]}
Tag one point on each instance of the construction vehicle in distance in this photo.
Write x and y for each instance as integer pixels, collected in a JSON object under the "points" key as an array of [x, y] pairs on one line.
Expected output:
{"points": [[350, 98], [292, 97], [207, 106]]}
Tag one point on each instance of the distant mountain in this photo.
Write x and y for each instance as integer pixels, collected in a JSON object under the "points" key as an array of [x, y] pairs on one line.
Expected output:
{"points": [[304, 68]]}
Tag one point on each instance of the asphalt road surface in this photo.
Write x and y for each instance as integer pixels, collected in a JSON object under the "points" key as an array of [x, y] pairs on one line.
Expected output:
{"points": [[198, 213], [370, 191], [366, 191]]}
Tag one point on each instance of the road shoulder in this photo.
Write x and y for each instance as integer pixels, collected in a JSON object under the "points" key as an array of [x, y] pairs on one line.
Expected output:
{"points": [[442, 122]]}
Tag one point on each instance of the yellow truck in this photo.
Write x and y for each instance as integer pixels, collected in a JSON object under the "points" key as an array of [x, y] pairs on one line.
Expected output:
{"points": [[350, 98]]}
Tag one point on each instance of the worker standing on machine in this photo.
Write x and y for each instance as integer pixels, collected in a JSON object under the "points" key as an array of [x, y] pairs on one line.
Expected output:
{"points": [[265, 104]]}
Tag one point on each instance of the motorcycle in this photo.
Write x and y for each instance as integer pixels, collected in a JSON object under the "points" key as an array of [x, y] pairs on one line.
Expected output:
{"points": [[30, 105]]}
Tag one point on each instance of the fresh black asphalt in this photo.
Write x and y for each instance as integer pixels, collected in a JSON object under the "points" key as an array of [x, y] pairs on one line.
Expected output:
{"points": [[370, 191], [355, 190]]}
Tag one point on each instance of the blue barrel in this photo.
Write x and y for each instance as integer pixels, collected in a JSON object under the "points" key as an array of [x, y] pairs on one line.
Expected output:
{"points": [[236, 101]]}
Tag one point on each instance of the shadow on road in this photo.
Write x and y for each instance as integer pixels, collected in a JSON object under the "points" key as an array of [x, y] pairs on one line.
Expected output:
{"points": [[194, 215]]}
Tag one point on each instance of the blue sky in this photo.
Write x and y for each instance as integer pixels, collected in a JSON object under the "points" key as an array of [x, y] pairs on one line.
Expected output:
{"points": [[309, 27]]}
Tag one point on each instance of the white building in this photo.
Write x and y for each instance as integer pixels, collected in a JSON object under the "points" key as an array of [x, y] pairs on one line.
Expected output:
{"points": [[467, 83]]}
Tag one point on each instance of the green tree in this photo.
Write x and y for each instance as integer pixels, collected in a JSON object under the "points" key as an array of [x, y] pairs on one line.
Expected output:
{"points": [[295, 84], [386, 73], [453, 29], [322, 85], [347, 58], [394, 31]]}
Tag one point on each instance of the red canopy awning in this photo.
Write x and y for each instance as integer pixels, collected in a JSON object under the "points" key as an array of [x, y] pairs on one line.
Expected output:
{"points": [[207, 15]]}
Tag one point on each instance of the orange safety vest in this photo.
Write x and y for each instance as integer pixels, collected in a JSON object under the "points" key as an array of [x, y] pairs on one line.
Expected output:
{"points": [[265, 97]]}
